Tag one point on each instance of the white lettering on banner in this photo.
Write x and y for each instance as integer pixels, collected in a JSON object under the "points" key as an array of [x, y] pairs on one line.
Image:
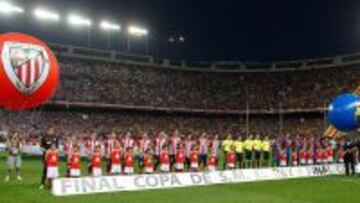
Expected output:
{"points": [[89, 185]]}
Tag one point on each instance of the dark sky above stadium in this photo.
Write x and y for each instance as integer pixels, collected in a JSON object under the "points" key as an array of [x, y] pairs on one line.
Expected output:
{"points": [[261, 30]]}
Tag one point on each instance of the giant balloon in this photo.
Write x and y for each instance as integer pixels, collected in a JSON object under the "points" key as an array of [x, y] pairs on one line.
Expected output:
{"points": [[343, 112], [29, 71]]}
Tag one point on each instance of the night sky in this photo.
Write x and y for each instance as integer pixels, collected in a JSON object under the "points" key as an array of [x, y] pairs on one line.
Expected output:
{"points": [[254, 30]]}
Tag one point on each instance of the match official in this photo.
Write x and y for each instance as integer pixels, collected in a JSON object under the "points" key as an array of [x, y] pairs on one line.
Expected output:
{"points": [[257, 150], [265, 148], [248, 147], [226, 146]]}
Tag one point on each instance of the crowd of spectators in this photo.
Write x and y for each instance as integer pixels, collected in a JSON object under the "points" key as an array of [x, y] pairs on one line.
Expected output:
{"points": [[32, 124], [113, 83]]}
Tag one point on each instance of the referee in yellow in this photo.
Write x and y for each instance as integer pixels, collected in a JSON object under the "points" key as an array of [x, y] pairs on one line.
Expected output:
{"points": [[357, 114], [265, 148], [239, 149], [257, 150], [248, 148], [226, 146]]}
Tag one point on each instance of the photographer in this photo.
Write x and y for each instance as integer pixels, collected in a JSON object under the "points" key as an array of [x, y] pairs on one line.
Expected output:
{"points": [[349, 159]]}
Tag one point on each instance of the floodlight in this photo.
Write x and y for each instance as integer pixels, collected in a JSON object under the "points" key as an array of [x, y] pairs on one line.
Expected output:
{"points": [[46, 15], [78, 20], [109, 26], [7, 8], [137, 31]]}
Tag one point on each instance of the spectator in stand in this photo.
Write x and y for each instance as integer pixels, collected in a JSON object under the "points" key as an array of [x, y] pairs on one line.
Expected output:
{"points": [[98, 81]]}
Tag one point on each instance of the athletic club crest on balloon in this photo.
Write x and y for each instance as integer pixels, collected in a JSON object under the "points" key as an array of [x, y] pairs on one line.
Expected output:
{"points": [[26, 65], [29, 71]]}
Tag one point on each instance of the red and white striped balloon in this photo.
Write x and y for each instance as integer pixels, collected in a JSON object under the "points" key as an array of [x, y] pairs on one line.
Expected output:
{"points": [[29, 71]]}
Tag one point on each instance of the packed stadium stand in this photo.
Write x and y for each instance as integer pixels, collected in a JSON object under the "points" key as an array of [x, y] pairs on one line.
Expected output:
{"points": [[144, 93], [139, 83]]}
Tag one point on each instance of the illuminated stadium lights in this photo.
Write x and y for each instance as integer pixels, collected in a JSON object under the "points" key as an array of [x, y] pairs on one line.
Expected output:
{"points": [[78, 20], [109, 26], [46, 15], [137, 31], [7, 8]]}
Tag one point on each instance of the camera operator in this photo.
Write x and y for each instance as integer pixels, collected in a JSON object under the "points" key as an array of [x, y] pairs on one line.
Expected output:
{"points": [[350, 157]]}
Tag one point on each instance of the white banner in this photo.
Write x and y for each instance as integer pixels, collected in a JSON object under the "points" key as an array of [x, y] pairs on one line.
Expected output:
{"points": [[89, 185], [32, 150], [36, 150], [2, 147]]}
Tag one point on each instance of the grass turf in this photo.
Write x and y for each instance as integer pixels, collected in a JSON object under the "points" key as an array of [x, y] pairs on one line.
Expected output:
{"points": [[332, 189]]}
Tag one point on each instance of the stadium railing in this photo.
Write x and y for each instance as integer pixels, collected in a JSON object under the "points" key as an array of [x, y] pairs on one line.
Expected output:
{"points": [[206, 66]]}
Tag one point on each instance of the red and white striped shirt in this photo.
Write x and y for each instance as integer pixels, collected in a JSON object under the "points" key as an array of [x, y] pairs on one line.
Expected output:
{"points": [[174, 142], [188, 147], [68, 147], [203, 142], [215, 143], [90, 146], [128, 143], [109, 146], [144, 145], [159, 143]]}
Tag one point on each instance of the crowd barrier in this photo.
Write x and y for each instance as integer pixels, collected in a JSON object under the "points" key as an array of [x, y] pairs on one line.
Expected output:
{"points": [[36, 150]]}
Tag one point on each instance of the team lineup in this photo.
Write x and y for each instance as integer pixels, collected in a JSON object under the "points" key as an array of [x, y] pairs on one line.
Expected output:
{"points": [[174, 153]]}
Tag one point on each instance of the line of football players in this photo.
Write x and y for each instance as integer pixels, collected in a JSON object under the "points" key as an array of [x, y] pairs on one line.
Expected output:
{"points": [[173, 154]]}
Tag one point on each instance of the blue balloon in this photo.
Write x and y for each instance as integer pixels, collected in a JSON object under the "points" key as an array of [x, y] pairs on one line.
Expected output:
{"points": [[342, 112]]}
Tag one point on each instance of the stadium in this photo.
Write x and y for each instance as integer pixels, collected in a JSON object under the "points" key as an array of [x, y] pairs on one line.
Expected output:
{"points": [[213, 131]]}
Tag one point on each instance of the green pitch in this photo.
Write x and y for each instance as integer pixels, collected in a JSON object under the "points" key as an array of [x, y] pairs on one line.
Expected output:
{"points": [[336, 189]]}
